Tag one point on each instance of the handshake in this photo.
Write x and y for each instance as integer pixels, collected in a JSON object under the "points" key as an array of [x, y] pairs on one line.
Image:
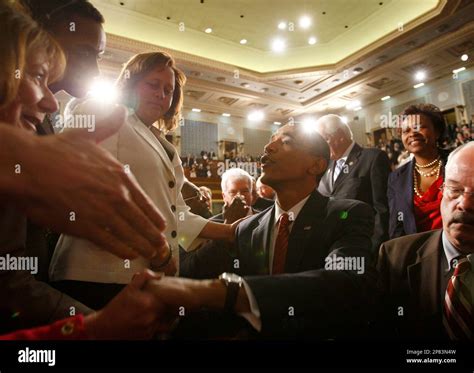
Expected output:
{"points": [[152, 303]]}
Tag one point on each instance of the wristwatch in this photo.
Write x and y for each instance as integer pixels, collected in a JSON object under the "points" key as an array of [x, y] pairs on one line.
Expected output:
{"points": [[233, 283]]}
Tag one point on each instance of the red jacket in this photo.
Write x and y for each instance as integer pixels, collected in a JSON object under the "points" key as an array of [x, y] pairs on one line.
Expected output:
{"points": [[71, 328]]}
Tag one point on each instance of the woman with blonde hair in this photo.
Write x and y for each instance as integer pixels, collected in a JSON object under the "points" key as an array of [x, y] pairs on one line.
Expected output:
{"points": [[151, 86]]}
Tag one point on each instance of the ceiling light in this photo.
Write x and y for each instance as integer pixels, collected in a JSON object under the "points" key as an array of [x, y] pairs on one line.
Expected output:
{"points": [[385, 98], [208, 30], [464, 57], [282, 25], [420, 75], [225, 114], [196, 110], [459, 70], [304, 22], [277, 123], [256, 115], [358, 108], [344, 119], [312, 40], [278, 45], [418, 85], [243, 41]]}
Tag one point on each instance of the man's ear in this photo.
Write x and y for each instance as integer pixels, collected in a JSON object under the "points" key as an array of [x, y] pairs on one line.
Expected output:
{"points": [[318, 167]]}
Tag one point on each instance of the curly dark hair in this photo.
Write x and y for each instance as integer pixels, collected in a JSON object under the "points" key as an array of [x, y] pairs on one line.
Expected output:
{"points": [[432, 112]]}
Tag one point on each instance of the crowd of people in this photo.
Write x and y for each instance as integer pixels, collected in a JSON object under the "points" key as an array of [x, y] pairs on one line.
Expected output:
{"points": [[327, 243]]}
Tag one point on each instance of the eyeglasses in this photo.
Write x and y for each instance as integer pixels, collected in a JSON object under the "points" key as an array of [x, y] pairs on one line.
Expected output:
{"points": [[454, 192]]}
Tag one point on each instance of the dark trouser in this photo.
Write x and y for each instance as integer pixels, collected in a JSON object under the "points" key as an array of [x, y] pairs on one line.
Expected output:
{"points": [[94, 295]]}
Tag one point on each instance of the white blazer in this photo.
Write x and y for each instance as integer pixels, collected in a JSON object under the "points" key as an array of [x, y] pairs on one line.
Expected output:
{"points": [[137, 148]]}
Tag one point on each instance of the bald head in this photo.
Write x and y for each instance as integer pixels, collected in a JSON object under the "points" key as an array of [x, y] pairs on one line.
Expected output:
{"points": [[337, 134]]}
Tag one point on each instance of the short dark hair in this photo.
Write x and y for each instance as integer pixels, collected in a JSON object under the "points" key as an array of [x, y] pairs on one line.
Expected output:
{"points": [[432, 112], [318, 146], [48, 13]]}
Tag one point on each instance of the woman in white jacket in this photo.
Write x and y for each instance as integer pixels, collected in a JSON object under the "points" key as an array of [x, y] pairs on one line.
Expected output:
{"points": [[152, 86]]}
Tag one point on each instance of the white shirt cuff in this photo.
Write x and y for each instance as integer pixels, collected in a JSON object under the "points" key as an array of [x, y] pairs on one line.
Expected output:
{"points": [[253, 317]]}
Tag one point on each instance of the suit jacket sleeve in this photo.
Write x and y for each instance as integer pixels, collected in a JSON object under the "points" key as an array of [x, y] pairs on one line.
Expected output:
{"points": [[379, 179], [323, 303]]}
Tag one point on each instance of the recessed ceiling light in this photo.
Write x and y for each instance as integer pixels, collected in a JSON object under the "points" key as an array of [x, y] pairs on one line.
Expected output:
{"points": [[418, 85], [243, 41], [385, 98], [282, 25], [312, 40], [278, 45], [357, 70], [464, 57], [304, 22], [196, 110], [459, 70], [358, 108], [245, 85], [225, 114], [208, 30], [277, 123], [420, 75], [256, 115]]}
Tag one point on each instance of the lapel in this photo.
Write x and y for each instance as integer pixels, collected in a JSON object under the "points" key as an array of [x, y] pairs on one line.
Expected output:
{"points": [[406, 199], [424, 276], [260, 243], [151, 139], [307, 226], [351, 162]]}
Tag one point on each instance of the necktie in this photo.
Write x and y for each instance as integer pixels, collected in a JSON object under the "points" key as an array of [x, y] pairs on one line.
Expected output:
{"points": [[281, 244], [457, 315]]}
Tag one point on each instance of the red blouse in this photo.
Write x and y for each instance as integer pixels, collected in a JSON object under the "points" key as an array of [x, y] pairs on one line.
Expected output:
{"points": [[427, 208]]}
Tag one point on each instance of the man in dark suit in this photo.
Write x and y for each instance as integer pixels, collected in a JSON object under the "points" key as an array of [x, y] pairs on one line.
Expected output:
{"points": [[427, 277], [213, 257], [355, 173], [304, 231]]}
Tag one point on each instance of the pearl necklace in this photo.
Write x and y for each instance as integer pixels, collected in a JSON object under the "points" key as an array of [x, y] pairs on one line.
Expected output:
{"points": [[428, 164], [422, 174]]}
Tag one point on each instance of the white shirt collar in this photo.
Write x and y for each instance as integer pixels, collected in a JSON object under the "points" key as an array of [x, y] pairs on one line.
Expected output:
{"points": [[451, 252], [347, 152], [292, 212]]}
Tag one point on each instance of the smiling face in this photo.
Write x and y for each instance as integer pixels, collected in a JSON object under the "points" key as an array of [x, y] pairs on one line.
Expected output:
{"points": [[458, 213], [418, 134], [34, 99], [290, 157], [155, 94]]}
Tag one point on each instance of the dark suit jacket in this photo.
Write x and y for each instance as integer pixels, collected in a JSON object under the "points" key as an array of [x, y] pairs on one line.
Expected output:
{"points": [[366, 181], [400, 199], [325, 302], [411, 277], [262, 204]]}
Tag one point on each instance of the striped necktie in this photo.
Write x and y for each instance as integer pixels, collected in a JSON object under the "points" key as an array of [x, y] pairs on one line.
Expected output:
{"points": [[457, 312]]}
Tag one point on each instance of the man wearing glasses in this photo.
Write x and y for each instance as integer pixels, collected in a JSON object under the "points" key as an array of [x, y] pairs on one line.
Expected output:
{"points": [[428, 277]]}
